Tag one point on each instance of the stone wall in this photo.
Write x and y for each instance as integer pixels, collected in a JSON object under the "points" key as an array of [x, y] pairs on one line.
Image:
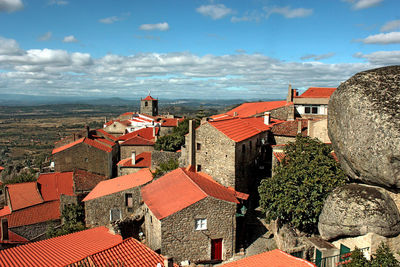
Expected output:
{"points": [[116, 128], [166, 130], [127, 170], [85, 157], [180, 239], [216, 155], [35, 232], [72, 138], [97, 211], [282, 113], [280, 140], [319, 129], [158, 157], [126, 151], [152, 229], [149, 107]]}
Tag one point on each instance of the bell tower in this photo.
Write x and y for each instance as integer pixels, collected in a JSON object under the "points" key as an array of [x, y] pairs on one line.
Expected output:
{"points": [[149, 106]]}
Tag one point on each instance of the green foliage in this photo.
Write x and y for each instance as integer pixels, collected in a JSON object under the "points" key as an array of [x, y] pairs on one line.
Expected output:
{"points": [[357, 259], [165, 167], [296, 193], [176, 139], [22, 178], [73, 217], [384, 257]]}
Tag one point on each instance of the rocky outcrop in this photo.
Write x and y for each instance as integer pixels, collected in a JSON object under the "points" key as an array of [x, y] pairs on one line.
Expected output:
{"points": [[355, 209], [364, 126]]}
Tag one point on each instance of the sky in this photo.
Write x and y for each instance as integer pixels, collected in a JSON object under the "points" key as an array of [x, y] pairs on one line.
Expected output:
{"points": [[211, 49]]}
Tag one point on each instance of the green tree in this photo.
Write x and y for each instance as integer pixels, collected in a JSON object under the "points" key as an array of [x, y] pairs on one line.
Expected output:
{"points": [[73, 217], [176, 139], [357, 259], [296, 193], [165, 167], [384, 257]]}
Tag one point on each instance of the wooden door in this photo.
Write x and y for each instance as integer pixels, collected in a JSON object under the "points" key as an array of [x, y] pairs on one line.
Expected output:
{"points": [[216, 249]]}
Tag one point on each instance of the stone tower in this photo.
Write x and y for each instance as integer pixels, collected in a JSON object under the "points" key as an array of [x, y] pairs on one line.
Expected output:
{"points": [[149, 106]]}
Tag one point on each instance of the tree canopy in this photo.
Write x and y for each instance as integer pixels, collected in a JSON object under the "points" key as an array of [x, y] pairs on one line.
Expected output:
{"points": [[302, 181], [382, 257], [176, 139]]}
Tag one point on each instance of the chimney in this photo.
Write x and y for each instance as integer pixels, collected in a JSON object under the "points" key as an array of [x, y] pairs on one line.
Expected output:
{"points": [[235, 114], [87, 131], [299, 127], [309, 129], [290, 94], [168, 261], [192, 143], [267, 117], [133, 157]]}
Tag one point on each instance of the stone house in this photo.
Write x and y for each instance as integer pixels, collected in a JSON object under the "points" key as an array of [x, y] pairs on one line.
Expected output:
{"points": [[93, 155], [134, 164], [287, 131], [189, 216], [231, 150], [117, 127], [115, 199], [139, 141]]}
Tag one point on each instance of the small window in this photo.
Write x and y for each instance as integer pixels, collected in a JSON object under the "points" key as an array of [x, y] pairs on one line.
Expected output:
{"points": [[201, 224], [146, 104], [4, 229], [86, 159], [115, 214], [311, 109], [199, 168], [128, 200], [198, 146]]}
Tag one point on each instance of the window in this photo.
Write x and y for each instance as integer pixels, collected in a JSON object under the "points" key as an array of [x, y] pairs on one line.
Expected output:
{"points": [[128, 200], [198, 146], [146, 104], [199, 168], [201, 224], [311, 109], [115, 214], [4, 229]]}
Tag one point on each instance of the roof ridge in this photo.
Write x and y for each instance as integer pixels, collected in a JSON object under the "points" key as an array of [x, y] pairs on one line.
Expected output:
{"points": [[190, 178]]}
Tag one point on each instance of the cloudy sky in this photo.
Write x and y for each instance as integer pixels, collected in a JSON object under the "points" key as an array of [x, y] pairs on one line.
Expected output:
{"points": [[191, 48]]}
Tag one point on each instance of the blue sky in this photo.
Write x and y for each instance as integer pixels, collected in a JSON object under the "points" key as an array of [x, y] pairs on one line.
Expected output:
{"points": [[191, 49]]}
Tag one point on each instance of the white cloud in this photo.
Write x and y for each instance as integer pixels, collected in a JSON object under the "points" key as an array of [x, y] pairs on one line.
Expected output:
{"points": [[45, 37], [289, 12], [391, 25], [180, 74], [317, 57], [58, 2], [155, 27], [111, 20], [382, 38], [70, 39], [214, 11], [362, 4], [10, 5], [381, 57], [248, 16]]}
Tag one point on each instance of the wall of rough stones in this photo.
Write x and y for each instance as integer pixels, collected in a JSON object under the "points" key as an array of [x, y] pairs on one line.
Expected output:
{"points": [[97, 211], [158, 157], [180, 239], [152, 229], [126, 151], [282, 113], [35, 232]]}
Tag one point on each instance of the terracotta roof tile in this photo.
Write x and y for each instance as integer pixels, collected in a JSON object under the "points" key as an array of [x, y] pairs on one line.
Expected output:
{"points": [[60, 251], [149, 98], [119, 184], [239, 129], [253, 108], [273, 258], [170, 122], [143, 160], [43, 212], [279, 156], [146, 133], [85, 181], [13, 238], [52, 185], [107, 135], [290, 128], [179, 189], [138, 141], [23, 195], [129, 252], [127, 113], [85, 140], [318, 92], [105, 142]]}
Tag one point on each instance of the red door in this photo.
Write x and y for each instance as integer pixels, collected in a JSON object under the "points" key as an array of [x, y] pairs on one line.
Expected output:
{"points": [[216, 249]]}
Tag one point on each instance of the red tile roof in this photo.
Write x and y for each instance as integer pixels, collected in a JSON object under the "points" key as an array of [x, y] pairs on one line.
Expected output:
{"points": [[5, 211], [13, 238], [119, 184], [127, 113], [129, 252], [43, 212], [23, 195], [239, 129], [143, 160], [105, 142], [90, 142], [273, 258], [170, 122], [138, 141], [105, 134], [1, 168], [149, 98], [146, 133], [279, 156], [253, 108], [52, 185], [290, 128], [317, 92], [179, 189], [86, 181], [60, 251]]}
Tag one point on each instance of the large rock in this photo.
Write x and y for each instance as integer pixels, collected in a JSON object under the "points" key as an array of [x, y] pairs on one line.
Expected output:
{"points": [[355, 209], [364, 126]]}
